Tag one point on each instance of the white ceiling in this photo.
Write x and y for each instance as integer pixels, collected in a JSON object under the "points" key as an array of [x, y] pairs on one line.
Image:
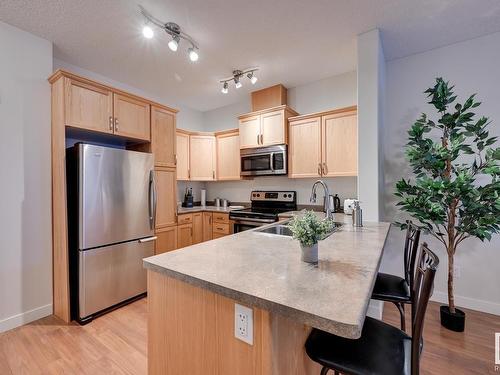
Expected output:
{"points": [[292, 41]]}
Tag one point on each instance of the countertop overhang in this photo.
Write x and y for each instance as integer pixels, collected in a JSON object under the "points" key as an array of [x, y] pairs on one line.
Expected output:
{"points": [[265, 271]]}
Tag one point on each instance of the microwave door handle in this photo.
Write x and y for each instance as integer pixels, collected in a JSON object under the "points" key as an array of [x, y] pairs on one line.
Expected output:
{"points": [[271, 161]]}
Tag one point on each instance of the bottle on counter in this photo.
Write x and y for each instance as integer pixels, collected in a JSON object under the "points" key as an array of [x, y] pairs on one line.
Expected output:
{"points": [[357, 215]]}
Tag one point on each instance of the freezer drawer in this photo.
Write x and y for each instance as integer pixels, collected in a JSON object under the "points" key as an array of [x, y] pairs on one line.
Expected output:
{"points": [[110, 275]]}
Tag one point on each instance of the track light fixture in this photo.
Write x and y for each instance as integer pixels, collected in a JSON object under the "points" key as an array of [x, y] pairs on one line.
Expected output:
{"points": [[236, 78], [173, 30]]}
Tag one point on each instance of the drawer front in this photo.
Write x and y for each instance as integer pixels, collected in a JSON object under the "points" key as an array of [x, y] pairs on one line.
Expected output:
{"points": [[221, 218], [221, 228], [185, 219], [218, 235]]}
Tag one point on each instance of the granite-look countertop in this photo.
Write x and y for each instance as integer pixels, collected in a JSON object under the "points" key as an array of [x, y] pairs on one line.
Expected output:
{"points": [[185, 210], [265, 271]]}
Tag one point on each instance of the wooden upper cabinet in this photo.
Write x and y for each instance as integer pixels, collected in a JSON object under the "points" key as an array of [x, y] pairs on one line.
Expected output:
{"points": [[250, 131], [132, 117], [202, 163], [340, 145], [273, 128], [305, 148], [182, 149], [88, 107], [163, 137], [166, 205], [166, 239], [197, 227], [228, 156], [324, 144]]}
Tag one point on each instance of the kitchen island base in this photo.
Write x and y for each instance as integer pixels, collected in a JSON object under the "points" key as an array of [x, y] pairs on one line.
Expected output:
{"points": [[191, 331]]}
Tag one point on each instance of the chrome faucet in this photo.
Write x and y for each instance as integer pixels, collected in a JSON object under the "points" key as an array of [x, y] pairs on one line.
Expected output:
{"points": [[327, 208]]}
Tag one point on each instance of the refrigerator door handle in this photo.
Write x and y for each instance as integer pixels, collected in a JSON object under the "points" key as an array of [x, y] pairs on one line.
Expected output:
{"points": [[148, 239], [152, 200]]}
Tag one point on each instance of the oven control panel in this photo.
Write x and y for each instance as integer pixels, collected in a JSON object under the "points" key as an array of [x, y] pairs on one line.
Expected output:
{"points": [[274, 196]]}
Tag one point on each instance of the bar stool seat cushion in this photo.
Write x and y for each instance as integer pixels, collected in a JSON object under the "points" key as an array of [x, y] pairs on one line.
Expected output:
{"points": [[391, 288], [382, 349]]}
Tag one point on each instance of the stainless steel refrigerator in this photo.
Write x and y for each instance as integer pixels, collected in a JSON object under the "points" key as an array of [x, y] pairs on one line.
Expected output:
{"points": [[111, 208]]}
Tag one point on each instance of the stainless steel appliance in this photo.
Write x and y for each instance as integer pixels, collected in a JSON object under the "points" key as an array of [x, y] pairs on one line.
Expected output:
{"points": [[264, 161], [265, 208], [111, 211]]}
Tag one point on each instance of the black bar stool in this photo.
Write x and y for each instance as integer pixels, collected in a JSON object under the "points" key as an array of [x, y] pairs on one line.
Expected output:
{"points": [[382, 349], [395, 289]]}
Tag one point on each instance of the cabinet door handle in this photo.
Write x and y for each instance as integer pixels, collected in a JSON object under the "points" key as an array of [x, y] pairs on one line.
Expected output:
{"points": [[189, 174], [213, 175], [258, 139], [325, 169], [319, 169], [110, 122], [175, 157], [116, 123], [262, 139]]}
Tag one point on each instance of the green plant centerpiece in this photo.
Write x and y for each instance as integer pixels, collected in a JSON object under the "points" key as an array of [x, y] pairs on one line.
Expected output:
{"points": [[308, 229], [455, 191]]}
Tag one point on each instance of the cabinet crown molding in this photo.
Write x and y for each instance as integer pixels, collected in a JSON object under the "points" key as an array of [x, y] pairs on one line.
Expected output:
{"points": [[267, 110], [349, 109], [64, 73]]}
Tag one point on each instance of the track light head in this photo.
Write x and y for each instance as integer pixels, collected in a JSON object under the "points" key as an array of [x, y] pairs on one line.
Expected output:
{"points": [[193, 55], [174, 43], [225, 88], [147, 32], [237, 82], [252, 77]]}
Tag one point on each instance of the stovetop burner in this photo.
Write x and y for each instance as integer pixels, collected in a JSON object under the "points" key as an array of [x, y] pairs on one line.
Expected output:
{"points": [[267, 204]]}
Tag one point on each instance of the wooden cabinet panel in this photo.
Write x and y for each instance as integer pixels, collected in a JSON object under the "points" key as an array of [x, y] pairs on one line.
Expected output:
{"points": [[166, 188], [340, 145], [228, 156], [207, 226], [250, 131], [197, 227], [216, 235], [167, 239], [221, 217], [305, 148], [185, 219], [163, 137], [88, 107], [182, 149], [273, 128], [184, 235], [202, 159], [222, 228], [132, 117]]}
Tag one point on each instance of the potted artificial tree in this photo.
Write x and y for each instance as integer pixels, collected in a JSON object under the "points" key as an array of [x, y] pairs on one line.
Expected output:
{"points": [[455, 192], [308, 228]]}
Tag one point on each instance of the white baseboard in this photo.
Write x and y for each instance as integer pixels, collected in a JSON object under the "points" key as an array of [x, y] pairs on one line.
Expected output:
{"points": [[468, 303], [375, 309], [25, 317]]}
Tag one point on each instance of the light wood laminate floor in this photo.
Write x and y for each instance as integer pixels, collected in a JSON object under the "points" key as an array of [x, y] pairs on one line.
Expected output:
{"points": [[116, 344]]}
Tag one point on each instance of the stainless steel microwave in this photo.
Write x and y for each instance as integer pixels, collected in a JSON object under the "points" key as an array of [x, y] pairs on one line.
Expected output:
{"points": [[264, 161]]}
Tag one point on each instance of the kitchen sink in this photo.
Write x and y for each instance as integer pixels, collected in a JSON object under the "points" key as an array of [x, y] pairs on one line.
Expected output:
{"points": [[283, 230]]}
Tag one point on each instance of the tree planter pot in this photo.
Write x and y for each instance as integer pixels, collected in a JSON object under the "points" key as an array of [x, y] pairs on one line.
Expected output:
{"points": [[454, 322], [309, 253]]}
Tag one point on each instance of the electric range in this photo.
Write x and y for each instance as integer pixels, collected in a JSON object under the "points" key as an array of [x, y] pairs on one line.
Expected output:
{"points": [[265, 208]]}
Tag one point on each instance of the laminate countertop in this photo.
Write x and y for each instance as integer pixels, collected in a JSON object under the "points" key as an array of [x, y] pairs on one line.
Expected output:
{"points": [[265, 270], [185, 210]]}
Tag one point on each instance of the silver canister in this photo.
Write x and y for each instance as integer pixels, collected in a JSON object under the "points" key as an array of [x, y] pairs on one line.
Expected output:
{"points": [[357, 215], [217, 202]]}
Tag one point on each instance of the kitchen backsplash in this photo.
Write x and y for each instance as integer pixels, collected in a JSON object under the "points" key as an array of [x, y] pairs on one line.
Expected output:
{"points": [[239, 191]]}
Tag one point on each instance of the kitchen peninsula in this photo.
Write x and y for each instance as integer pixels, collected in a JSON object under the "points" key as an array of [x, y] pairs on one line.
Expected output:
{"points": [[192, 294]]}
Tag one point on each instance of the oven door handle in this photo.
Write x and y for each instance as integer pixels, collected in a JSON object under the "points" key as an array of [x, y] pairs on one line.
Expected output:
{"points": [[252, 221]]}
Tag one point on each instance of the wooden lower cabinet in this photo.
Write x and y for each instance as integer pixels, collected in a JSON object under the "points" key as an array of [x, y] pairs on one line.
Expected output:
{"points": [[197, 227], [207, 226], [184, 235], [166, 239]]}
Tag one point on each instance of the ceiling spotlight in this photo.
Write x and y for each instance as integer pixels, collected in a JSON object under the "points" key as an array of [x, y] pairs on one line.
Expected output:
{"points": [[174, 43], [225, 88], [148, 32], [193, 55], [237, 82], [172, 29], [252, 77]]}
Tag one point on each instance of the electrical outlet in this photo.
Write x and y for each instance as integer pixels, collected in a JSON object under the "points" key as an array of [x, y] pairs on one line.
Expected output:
{"points": [[243, 323], [456, 271]]}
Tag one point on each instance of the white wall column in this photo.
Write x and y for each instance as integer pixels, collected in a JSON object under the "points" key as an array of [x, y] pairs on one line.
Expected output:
{"points": [[371, 86]]}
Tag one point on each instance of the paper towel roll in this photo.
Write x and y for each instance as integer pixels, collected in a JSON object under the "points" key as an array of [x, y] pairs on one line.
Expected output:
{"points": [[203, 197]]}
